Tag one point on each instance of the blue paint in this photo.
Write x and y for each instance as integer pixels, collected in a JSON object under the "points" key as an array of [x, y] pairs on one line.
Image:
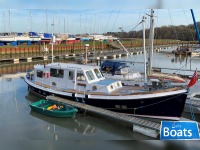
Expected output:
{"points": [[195, 25], [179, 130]]}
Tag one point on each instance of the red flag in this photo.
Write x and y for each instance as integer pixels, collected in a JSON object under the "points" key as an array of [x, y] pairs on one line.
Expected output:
{"points": [[193, 79]]}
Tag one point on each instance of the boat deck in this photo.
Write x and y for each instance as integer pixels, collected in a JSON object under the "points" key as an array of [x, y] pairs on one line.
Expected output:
{"points": [[125, 90], [152, 127]]}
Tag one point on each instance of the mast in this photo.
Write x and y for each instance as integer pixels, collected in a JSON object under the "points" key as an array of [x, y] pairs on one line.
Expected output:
{"points": [[151, 38], [80, 24], [30, 21], [52, 40], [3, 23], [46, 21], [59, 22], [9, 21], [64, 26], [195, 25], [144, 51]]}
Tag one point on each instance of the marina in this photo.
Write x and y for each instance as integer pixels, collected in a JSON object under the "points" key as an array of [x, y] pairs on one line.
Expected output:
{"points": [[14, 98], [126, 119], [149, 128], [63, 87]]}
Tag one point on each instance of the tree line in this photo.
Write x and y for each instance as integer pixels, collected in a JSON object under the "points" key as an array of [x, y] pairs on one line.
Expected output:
{"points": [[181, 32]]}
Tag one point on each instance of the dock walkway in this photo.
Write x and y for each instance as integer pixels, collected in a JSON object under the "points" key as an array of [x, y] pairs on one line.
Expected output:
{"points": [[194, 102], [146, 127], [192, 105]]}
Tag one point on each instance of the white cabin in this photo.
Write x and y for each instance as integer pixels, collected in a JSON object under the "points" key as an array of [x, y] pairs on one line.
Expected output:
{"points": [[74, 77]]}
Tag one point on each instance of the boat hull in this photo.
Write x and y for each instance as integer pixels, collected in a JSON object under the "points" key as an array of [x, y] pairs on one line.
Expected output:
{"points": [[166, 107]]}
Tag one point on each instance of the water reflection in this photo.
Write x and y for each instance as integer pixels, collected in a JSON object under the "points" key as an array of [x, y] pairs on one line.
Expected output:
{"points": [[90, 126], [182, 59], [161, 60], [25, 66], [73, 124]]}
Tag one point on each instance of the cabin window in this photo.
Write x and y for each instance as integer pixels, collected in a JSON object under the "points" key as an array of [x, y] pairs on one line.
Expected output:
{"points": [[59, 73], [71, 75], [80, 76], [90, 75], [39, 74], [53, 83], [98, 73]]}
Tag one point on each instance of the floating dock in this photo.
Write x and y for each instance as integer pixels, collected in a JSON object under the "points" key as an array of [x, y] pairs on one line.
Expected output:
{"points": [[192, 104], [145, 127]]}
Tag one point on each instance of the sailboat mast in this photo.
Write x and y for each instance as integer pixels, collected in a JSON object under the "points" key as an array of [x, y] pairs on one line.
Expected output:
{"points": [[59, 22], [145, 70], [46, 21], [64, 26], [151, 38], [30, 21], [3, 23], [9, 21], [52, 40]]}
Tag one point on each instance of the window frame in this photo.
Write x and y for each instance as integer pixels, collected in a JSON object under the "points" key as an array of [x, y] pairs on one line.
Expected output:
{"points": [[57, 73], [40, 74]]}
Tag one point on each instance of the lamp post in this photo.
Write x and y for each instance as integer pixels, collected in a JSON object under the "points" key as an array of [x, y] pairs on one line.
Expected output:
{"points": [[86, 49]]}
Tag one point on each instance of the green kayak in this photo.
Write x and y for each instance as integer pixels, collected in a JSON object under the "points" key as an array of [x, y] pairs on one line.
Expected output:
{"points": [[53, 108]]}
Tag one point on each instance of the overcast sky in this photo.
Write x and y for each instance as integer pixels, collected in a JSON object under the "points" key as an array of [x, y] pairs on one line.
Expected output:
{"points": [[88, 16]]}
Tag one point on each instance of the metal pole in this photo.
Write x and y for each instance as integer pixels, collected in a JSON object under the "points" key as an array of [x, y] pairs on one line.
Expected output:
{"points": [[9, 21], [30, 21], [46, 21], [64, 26], [124, 48], [151, 38], [3, 23], [52, 43], [59, 22], [86, 49], [144, 49]]}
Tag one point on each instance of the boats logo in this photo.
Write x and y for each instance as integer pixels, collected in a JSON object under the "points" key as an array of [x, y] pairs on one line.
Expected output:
{"points": [[179, 130]]}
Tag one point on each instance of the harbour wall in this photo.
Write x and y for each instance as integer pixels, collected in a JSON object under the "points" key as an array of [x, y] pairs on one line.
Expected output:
{"points": [[25, 51]]}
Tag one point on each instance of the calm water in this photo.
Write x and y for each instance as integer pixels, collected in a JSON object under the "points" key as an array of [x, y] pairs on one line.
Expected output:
{"points": [[168, 60], [19, 124]]}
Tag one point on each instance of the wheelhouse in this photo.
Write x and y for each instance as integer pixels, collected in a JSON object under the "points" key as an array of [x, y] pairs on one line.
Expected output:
{"points": [[74, 77]]}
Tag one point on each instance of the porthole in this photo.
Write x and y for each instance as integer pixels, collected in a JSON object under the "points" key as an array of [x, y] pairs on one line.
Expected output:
{"points": [[111, 87], [94, 88], [54, 83]]}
